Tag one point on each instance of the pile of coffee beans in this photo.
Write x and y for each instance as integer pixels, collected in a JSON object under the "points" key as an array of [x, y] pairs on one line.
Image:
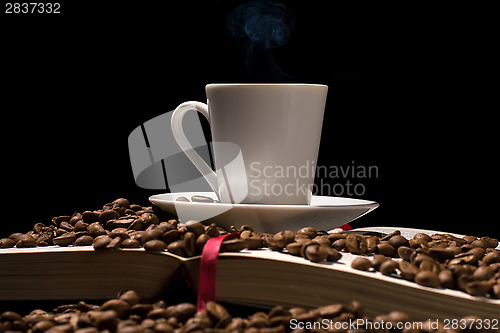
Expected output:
{"points": [[469, 264], [129, 314]]}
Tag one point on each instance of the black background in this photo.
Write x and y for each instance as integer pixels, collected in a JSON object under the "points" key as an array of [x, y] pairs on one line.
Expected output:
{"points": [[409, 93]]}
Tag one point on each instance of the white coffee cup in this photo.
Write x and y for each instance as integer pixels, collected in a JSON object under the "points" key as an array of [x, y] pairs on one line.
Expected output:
{"points": [[265, 140]]}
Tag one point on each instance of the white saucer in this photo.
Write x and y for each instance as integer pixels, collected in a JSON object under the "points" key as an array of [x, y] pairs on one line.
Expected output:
{"points": [[324, 213]]}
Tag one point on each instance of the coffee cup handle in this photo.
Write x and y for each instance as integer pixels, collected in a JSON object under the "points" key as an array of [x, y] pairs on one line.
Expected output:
{"points": [[186, 147]]}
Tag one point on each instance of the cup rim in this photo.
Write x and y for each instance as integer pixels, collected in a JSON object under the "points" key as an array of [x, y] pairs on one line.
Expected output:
{"points": [[268, 84]]}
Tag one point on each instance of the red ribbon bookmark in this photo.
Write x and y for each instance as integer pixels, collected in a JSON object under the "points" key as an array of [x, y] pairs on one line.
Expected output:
{"points": [[208, 270]]}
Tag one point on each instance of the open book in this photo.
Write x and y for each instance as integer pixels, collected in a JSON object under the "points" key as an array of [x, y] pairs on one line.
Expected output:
{"points": [[252, 277]]}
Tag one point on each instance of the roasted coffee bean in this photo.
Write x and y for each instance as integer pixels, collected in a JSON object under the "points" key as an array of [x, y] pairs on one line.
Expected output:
{"points": [[177, 248], [441, 253], [485, 242], [371, 243], [429, 265], [308, 231], [196, 227], [201, 198], [404, 252], [171, 236], [422, 238], [378, 259], [26, 240], [447, 279], [6, 243], [66, 226], [80, 226], [108, 215], [151, 234], [282, 238], [149, 219], [483, 273], [254, 242], [84, 240], [428, 279], [388, 267], [386, 249], [120, 306], [335, 236], [96, 229], [294, 248], [478, 288], [356, 244], [330, 311], [491, 258], [101, 242], [408, 270], [233, 245], [65, 239], [130, 243], [397, 240], [339, 244], [361, 264], [106, 320], [155, 245], [496, 290], [182, 199], [190, 243], [114, 244], [332, 254], [315, 252], [218, 314], [201, 241]]}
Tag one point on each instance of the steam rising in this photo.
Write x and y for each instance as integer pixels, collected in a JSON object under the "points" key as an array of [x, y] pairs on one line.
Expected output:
{"points": [[258, 27]]}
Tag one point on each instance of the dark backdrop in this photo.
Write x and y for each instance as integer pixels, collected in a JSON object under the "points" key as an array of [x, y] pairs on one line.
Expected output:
{"points": [[408, 88]]}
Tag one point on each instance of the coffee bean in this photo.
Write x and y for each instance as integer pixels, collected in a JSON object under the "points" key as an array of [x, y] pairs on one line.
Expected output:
{"points": [[171, 236], [190, 243], [492, 257], [26, 240], [218, 314], [120, 306], [201, 198], [114, 244], [177, 248], [371, 243], [330, 311], [96, 229], [408, 270], [441, 253], [6, 243], [388, 267], [361, 264], [315, 252], [84, 240], [332, 255], [106, 320], [149, 219], [42, 326], [483, 273], [404, 252], [447, 279], [151, 234], [183, 311], [422, 238], [155, 245], [233, 245], [397, 240], [428, 279], [107, 215], [294, 248], [101, 242], [65, 239], [308, 231], [339, 244], [183, 199], [478, 288], [386, 249], [130, 243], [356, 244]]}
